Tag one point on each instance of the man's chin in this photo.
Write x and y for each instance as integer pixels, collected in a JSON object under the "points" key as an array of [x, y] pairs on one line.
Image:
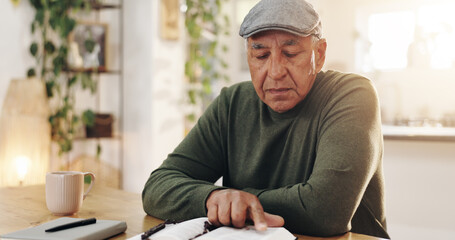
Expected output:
{"points": [[281, 108]]}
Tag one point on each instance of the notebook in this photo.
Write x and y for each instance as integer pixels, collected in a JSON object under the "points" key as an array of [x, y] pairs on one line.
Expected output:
{"points": [[102, 229]]}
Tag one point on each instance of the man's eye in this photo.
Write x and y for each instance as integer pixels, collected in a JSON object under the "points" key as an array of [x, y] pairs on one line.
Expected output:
{"points": [[263, 56], [290, 55]]}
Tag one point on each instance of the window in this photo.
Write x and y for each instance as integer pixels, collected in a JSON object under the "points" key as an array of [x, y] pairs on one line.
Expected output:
{"points": [[417, 37]]}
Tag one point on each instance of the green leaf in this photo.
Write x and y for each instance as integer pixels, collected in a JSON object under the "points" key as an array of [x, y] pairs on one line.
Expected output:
{"points": [[207, 88], [89, 44], [192, 96], [32, 27], [87, 179], [227, 22], [49, 87], [224, 64], [65, 145], [36, 4], [52, 120], [63, 50], [31, 72], [75, 119], [58, 63], [204, 63], [207, 17], [191, 117], [72, 81], [212, 48], [77, 4], [88, 118], [49, 47], [84, 80], [98, 150], [67, 26], [39, 16], [54, 21], [34, 49]]}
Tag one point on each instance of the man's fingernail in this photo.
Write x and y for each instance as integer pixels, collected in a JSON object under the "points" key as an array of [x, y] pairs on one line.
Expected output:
{"points": [[261, 227]]}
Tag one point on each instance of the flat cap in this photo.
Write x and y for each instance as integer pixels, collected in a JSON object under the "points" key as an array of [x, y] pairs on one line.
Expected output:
{"points": [[294, 16]]}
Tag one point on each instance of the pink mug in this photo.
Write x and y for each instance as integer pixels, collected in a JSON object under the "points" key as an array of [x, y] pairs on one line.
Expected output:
{"points": [[65, 191]]}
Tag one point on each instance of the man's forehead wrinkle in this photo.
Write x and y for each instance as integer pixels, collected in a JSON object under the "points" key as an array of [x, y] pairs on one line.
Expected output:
{"points": [[290, 42]]}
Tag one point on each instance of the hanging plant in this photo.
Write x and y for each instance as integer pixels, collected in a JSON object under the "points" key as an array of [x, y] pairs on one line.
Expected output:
{"points": [[204, 65], [50, 27]]}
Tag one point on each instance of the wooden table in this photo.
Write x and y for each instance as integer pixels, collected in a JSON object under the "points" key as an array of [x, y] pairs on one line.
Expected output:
{"points": [[22, 207]]}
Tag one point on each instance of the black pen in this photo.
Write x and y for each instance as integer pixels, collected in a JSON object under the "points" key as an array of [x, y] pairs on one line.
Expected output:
{"points": [[72, 225]]}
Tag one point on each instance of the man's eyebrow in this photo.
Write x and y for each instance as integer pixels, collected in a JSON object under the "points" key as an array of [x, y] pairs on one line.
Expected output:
{"points": [[257, 46], [290, 42]]}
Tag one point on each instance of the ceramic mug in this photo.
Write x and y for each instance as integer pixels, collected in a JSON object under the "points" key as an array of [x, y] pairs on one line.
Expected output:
{"points": [[65, 191]]}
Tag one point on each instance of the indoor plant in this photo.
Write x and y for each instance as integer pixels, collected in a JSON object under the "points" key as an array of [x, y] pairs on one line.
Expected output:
{"points": [[205, 24], [51, 26]]}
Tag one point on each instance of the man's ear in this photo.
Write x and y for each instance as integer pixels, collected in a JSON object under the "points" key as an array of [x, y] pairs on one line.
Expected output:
{"points": [[320, 49]]}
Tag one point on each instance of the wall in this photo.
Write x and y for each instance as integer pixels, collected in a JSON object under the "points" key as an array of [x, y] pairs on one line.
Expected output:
{"points": [[153, 122], [419, 189], [15, 28]]}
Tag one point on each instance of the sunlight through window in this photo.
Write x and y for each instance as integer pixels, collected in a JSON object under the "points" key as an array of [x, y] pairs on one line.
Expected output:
{"points": [[421, 37], [390, 35]]}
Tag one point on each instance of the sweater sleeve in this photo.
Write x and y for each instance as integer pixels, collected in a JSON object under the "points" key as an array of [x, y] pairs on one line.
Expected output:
{"points": [[179, 187], [348, 153]]}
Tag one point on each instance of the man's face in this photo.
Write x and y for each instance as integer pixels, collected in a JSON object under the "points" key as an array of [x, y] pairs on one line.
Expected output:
{"points": [[283, 67]]}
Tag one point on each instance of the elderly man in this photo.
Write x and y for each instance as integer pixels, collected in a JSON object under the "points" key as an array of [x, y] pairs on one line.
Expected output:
{"points": [[296, 146]]}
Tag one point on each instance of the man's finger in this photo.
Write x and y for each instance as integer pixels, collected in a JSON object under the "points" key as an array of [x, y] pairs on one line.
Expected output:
{"points": [[257, 215], [224, 214], [238, 215], [273, 220], [212, 215]]}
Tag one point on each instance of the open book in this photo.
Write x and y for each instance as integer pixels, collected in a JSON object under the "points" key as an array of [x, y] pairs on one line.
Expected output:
{"points": [[195, 227]]}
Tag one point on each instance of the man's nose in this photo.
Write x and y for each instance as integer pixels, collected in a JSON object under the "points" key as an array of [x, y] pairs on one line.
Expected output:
{"points": [[277, 67]]}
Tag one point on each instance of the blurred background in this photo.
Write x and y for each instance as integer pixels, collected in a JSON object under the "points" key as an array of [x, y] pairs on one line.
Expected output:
{"points": [[404, 46]]}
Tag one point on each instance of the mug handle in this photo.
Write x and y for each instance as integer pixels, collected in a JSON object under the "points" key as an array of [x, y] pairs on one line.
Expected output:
{"points": [[91, 183]]}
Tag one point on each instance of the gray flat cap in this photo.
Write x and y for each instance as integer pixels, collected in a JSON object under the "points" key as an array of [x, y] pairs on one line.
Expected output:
{"points": [[294, 16]]}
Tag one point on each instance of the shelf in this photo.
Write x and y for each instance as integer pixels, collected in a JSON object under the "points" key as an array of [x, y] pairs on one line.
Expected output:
{"points": [[117, 137], [100, 6], [94, 71], [105, 6]]}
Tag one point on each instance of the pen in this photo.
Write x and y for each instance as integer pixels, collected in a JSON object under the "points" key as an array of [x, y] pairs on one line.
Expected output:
{"points": [[72, 225]]}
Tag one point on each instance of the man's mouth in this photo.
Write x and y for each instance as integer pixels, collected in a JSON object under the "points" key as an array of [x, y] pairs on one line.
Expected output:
{"points": [[278, 90]]}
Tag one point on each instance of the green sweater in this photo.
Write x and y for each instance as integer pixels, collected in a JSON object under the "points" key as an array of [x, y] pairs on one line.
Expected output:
{"points": [[319, 165]]}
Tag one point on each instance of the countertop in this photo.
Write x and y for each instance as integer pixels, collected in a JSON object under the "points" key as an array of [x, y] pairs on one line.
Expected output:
{"points": [[423, 133]]}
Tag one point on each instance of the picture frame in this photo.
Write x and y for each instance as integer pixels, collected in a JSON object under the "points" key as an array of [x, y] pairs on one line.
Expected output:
{"points": [[87, 47], [169, 19]]}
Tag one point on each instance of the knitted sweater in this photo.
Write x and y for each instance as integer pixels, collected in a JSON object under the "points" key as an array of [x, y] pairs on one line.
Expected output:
{"points": [[318, 165]]}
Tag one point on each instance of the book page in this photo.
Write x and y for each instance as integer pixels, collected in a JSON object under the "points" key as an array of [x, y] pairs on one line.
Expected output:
{"points": [[248, 233], [191, 228], [181, 231]]}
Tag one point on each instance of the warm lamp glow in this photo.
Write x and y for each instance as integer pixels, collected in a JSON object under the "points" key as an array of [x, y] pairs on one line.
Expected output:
{"points": [[21, 166], [24, 134]]}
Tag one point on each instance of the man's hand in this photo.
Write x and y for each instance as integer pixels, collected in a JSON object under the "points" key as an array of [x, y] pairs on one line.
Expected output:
{"points": [[233, 207]]}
